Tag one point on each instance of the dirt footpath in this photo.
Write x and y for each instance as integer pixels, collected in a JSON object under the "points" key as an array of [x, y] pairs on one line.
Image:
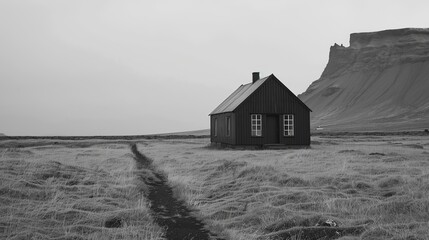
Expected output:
{"points": [[168, 212]]}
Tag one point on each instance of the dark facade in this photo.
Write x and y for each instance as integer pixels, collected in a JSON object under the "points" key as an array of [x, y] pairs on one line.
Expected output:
{"points": [[260, 113]]}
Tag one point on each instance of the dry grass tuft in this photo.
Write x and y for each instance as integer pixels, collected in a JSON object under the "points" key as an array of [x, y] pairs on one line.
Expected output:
{"points": [[377, 233], [391, 181]]}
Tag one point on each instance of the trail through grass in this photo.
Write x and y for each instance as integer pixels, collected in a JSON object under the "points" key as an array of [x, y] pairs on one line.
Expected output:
{"points": [[169, 212]]}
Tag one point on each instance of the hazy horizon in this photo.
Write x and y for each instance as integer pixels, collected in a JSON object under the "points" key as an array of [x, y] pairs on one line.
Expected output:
{"points": [[144, 67]]}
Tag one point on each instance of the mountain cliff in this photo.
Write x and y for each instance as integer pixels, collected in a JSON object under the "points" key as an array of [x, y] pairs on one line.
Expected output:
{"points": [[380, 82]]}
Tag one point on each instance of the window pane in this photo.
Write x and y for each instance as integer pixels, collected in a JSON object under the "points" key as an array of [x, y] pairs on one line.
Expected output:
{"points": [[288, 124], [215, 127], [256, 124]]}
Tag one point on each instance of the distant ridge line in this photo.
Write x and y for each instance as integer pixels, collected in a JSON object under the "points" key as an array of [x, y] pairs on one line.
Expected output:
{"points": [[118, 137], [201, 132]]}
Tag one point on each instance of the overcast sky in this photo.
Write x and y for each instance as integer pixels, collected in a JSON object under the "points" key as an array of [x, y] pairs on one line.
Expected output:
{"points": [[100, 67]]}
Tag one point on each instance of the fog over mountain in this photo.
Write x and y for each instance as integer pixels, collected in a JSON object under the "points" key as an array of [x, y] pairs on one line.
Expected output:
{"points": [[379, 82]]}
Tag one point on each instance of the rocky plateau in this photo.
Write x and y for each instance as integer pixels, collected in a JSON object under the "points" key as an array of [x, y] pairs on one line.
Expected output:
{"points": [[379, 83]]}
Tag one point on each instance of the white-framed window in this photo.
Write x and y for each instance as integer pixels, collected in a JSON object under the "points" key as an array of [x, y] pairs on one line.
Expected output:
{"points": [[228, 126], [288, 125], [215, 127], [256, 125]]}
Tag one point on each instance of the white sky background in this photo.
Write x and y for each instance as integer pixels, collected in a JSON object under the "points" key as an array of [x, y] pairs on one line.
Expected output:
{"points": [[99, 67]]}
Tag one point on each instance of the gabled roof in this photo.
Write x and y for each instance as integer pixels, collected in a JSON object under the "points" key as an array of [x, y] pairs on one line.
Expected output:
{"points": [[242, 93], [238, 96]]}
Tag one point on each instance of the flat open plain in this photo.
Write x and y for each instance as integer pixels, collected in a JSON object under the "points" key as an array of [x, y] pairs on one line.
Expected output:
{"points": [[372, 187]]}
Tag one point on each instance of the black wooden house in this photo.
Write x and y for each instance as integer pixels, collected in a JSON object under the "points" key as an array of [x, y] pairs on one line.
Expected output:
{"points": [[264, 112]]}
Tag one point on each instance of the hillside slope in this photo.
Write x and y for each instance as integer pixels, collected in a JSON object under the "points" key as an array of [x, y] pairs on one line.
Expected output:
{"points": [[379, 82], [202, 132]]}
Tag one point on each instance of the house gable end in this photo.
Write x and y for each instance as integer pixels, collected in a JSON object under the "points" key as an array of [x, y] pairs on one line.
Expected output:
{"points": [[291, 93], [263, 87]]}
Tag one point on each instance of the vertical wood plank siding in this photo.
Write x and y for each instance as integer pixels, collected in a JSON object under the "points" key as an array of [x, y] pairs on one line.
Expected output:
{"points": [[272, 98], [221, 128]]}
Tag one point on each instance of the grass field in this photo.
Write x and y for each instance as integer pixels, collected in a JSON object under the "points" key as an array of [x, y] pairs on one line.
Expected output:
{"points": [[71, 191], [88, 189], [378, 182]]}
